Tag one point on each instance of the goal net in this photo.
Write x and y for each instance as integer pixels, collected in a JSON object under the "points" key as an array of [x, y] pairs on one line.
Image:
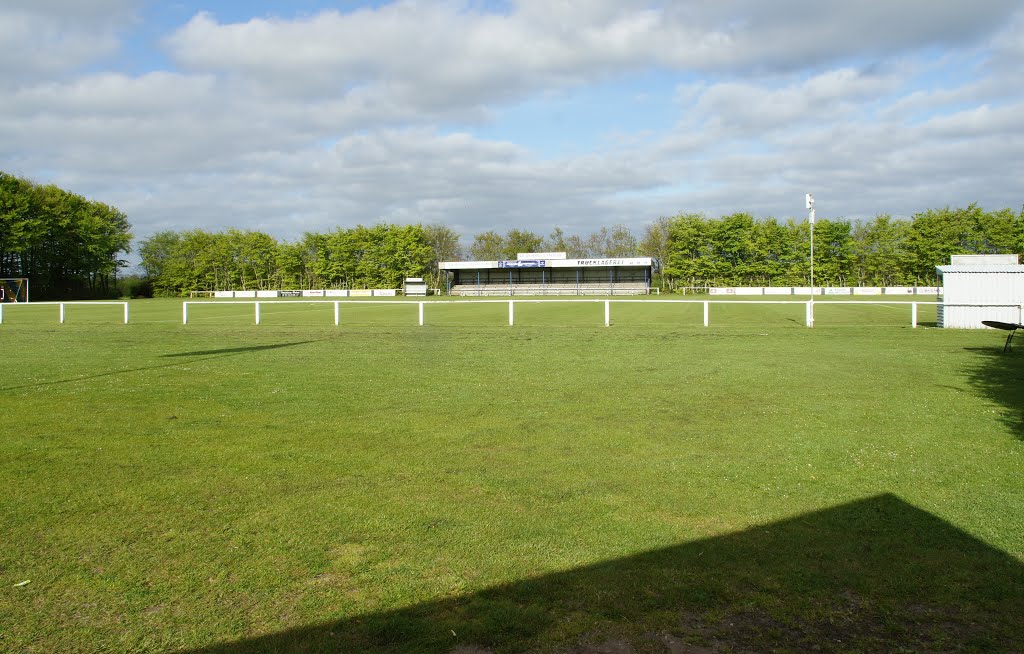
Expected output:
{"points": [[13, 289]]}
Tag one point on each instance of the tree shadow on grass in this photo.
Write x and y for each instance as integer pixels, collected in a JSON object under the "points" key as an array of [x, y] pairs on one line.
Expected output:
{"points": [[876, 575], [201, 355], [1000, 376]]}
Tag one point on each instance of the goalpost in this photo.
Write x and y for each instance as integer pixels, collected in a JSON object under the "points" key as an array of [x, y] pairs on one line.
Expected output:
{"points": [[13, 289]]}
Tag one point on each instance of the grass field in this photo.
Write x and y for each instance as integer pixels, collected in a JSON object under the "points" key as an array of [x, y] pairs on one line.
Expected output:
{"points": [[471, 487]]}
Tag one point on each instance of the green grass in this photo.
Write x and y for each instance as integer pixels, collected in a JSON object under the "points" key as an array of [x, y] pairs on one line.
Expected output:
{"points": [[552, 486]]}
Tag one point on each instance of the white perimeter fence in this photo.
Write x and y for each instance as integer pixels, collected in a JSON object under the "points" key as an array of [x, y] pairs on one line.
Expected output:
{"points": [[1018, 310], [62, 305], [809, 306]]}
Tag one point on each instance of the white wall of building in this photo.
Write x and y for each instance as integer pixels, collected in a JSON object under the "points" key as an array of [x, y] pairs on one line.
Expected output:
{"points": [[972, 293]]}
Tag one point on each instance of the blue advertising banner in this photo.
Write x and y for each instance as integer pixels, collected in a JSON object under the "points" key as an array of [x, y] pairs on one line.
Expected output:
{"points": [[525, 263]]}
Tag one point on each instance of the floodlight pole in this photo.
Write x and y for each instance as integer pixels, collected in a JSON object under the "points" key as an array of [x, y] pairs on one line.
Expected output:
{"points": [[810, 217]]}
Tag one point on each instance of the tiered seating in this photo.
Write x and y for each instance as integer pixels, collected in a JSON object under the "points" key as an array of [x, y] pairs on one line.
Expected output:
{"points": [[586, 288], [632, 288], [475, 290]]}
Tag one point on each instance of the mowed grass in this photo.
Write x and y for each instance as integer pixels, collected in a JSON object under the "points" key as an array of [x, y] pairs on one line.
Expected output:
{"points": [[553, 486]]}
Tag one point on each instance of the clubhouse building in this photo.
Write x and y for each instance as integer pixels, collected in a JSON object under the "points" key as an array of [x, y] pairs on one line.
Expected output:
{"points": [[549, 273]]}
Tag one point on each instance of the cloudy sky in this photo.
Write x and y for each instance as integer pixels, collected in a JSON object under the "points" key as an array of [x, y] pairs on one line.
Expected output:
{"points": [[299, 116]]}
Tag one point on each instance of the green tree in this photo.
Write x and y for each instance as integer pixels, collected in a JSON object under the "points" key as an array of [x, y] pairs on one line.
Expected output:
{"points": [[879, 252], [688, 250], [198, 264], [106, 235], [997, 231], [338, 264], [158, 254], [381, 256], [655, 244], [798, 235], [444, 246], [772, 253], [487, 246], [571, 244], [398, 252], [731, 248], [314, 247], [612, 242], [67, 245], [518, 241], [937, 234], [833, 252], [21, 228], [292, 266]]}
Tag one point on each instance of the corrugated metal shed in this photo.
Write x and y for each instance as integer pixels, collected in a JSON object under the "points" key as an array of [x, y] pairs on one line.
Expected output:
{"points": [[972, 293]]}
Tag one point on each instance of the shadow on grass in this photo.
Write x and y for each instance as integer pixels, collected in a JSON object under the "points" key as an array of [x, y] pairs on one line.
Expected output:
{"points": [[236, 350], [201, 355], [876, 575], [1001, 377]]}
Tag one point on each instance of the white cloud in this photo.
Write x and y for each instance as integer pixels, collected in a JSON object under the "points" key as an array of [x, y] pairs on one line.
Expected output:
{"points": [[422, 63], [789, 34], [112, 94], [300, 124], [559, 38], [861, 168], [741, 108], [47, 37], [400, 176]]}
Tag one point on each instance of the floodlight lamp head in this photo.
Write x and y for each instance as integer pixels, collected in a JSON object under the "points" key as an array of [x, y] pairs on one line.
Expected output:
{"points": [[810, 200]]}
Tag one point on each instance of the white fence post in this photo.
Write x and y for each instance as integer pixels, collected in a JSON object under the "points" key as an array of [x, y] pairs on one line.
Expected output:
{"points": [[511, 314], [257, 313], [913, 315], [184, 313], [62, 313], [336, 312], [607, 313], [706, 304], [1, 313], [807, 315], [126, 313], [421, 314]]}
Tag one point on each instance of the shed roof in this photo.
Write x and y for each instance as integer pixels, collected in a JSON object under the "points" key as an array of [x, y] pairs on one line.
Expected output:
{"points": [[999, 268]]}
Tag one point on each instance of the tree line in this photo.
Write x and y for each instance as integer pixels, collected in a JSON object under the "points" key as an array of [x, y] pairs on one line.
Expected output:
{"points": [[380, 256], [690, 250], [66, 245], [736, 250], [72, 247]]}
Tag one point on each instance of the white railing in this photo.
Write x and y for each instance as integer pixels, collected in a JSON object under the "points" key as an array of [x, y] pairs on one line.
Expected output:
{"points": [[820, 290], [63, 312], [808, 311]]}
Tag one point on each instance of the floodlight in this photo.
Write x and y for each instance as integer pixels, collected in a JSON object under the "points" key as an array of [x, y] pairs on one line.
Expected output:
{"points": [[810, 200]]}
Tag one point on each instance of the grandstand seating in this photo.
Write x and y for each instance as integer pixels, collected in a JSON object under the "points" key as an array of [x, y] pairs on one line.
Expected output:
{"points": [[551, 289]]}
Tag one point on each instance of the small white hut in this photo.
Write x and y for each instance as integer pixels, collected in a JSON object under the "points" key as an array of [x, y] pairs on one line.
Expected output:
{"points": [[978, 287], [415, 286]]}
